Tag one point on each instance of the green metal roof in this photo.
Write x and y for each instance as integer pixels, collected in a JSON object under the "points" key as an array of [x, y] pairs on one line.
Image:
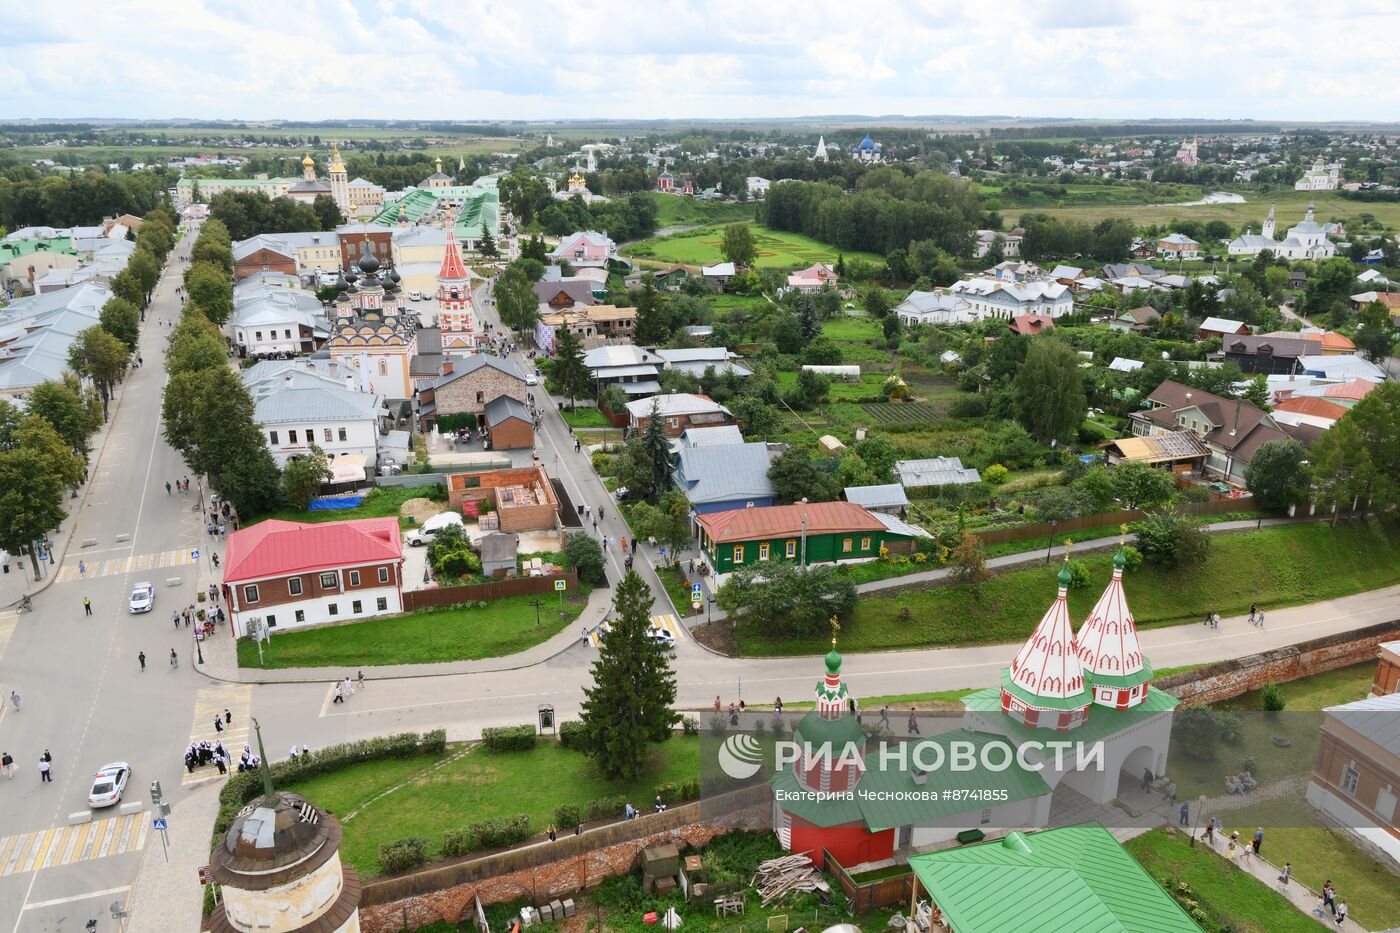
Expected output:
{"points": [[914, 803], [13, 249], [189, 181], [1076, 879], [1101, 721], [481, 208]]}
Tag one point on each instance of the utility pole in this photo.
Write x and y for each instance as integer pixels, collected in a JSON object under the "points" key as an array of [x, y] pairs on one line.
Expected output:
{"points": [[804, 533]]}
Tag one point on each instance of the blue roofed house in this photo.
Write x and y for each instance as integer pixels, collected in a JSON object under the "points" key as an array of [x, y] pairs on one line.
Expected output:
{"points": [[718, 479]]}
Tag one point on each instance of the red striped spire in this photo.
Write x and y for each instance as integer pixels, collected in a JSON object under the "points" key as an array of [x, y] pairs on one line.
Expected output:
{"points": [[453, 269]]}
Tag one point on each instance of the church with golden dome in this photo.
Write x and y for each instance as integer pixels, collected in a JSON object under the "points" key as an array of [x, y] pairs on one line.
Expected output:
{"points": [[336, 185]]}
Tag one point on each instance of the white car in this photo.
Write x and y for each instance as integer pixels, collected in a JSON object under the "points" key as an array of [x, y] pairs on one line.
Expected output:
{"points": [[415, 296], [143, 597], [108, 784], [531, 379], [661, 636], [419, 537]]}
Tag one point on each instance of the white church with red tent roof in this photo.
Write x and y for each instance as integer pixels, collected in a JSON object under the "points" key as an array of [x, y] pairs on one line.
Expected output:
{"points": [[456, 316], [1093, 687]]}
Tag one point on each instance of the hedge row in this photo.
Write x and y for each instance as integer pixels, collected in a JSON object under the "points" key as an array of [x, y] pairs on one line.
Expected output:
{"points": [[495, 833], [509, 738], [571, 734], [606, 808], [242, 789]]}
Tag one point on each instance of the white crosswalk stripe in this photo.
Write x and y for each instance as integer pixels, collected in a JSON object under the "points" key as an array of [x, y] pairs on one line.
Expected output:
{"points": [[211, 702], [64, 845], [79, 568], [667, 623], [8, 621]]}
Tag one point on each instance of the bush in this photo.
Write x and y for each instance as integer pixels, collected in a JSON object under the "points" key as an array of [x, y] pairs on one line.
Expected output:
{"points": [[604, 808], [1271, 697], [1132, 558], [1169, 540], [690, 725], [519, 738], [571, 733], [568, 816], [1078, 575], [995, 474], [585, 555], [679, 791], [495, 833], [433, 742], [718, 724], [404, 854]]}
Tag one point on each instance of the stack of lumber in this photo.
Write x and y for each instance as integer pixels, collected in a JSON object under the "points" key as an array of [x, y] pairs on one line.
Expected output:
{"points": [[779, 877]]}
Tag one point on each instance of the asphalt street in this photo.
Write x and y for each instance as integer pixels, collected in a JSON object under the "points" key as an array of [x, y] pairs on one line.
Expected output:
{"points": [[84, 695]]}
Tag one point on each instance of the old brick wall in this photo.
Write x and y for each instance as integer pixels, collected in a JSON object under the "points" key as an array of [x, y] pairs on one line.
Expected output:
{"points": [[562, 878], [1229, 679]]}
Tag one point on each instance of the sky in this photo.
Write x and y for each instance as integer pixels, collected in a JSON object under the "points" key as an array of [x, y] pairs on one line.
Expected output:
{"points": [[1281, 60]]}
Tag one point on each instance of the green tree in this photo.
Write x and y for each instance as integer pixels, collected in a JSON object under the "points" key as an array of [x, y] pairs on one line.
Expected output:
{"points": [[794, 477], [1375, 337], [31, 500], [1377, 418], [488, 246], [98, 355], [516, 301], [1342, 470], [62, 405], [810, 390], [210, 290], [877, 301], [303, 477], [568, 371], [36, 434], [195, 344], [757, 417], [1139, 486], [1048, 391], [783, 598], [1170, 540], [327, 212], [668, 521], [213, 250], [1329, 287], [653, 323], [127, 286], [969, 562], [122, 320], [645, 466], [630, 703], [585, 555], [146, 268], [738, 244], [880, 455], [1277, 475]]}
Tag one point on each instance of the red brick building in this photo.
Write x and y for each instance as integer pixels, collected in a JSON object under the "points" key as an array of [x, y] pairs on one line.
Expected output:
{"points": [[262, 254], [290, 574]]}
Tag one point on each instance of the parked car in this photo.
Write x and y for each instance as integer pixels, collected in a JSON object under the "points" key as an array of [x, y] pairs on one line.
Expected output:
{"points": [[415, 295], [143, 597], [424, 534], [108, 784]]}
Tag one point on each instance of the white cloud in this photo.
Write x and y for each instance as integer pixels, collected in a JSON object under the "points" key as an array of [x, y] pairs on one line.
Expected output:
{"points": [[543, 59]]}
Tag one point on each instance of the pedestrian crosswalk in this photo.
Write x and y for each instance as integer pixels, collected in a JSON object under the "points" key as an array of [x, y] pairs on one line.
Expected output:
{"points": [[80, 568], [8, 620], [211, 702], [64, 845], [666, 623]]}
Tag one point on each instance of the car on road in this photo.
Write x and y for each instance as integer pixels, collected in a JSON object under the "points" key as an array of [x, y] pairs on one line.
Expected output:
{"points": [[415, 295], [531, 379], [661, 636], [143, 597], [108, 784]]}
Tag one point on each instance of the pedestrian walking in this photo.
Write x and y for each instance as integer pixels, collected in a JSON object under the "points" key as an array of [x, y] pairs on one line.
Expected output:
{"points": [[45, 772], [1259, 620], [588, 513], [1146, 778], [175, 617], [885, 716], [600, 513], [1183, 816], [913, 727], [624, 545], [14, 698], [1329, 895], [167, 487], [577, 446], [1287, 873], [82, 569], [1341, 912], [595, 526], [1210, 832], [1253, 608], [1258, 839], [7, 765], [215, 559], [174, 658], [339, 694], [87, 606], [142, 658], [1171, 793], [218, 724], [219, 763], [359, 680], [228, 717]]}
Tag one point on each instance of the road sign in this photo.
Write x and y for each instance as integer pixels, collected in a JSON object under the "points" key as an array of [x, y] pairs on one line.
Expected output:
{"points": [[696, 593], [158, 823], [206, 875], [194, 555], [561, 585]]}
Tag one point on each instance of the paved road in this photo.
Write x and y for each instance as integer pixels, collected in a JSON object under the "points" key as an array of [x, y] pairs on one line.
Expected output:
{"points": [[84, 695]]}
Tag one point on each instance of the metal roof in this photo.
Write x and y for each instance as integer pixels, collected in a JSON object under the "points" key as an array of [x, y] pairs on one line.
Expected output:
{"points": [[724, 474], [718, 436], [885, 495], [276, 548], [1065, 880], [778, 520], [1377, 718], [676, 403], [316, 403], [503, 407], [934, 471]]}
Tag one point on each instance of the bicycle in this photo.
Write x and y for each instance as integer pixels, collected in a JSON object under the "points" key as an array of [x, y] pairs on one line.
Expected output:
{"points": [[25, 604]]}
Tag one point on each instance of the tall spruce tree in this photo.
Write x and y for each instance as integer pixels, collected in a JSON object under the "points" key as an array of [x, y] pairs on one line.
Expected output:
{"points": [[629, 705], [571, 375]]}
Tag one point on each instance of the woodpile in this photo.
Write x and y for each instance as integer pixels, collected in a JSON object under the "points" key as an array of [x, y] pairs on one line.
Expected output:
{"points": [[779, 877]]}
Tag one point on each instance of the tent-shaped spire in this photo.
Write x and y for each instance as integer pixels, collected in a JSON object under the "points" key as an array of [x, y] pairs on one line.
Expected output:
{"points": [[1109, 650], [453, 269], [1047, 665]]}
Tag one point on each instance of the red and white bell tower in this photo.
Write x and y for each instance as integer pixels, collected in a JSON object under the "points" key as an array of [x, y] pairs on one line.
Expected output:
{"points": [[1044, 686], [1109, 650], [454, 297]]}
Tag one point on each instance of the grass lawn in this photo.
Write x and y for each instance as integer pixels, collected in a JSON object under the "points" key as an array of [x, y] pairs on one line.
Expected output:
{"points": [[677, 210], [1318, 853], [1232, 899], [501, 627], [479, 785], [776, 249], [581, 417], [1304, 564], [869, 386], [1316, 691], [1291, 205], [859, 329], [677, 588], [382, 502]]}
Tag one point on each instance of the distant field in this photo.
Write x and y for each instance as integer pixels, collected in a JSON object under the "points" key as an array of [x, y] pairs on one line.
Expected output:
{"points": [[446, 145], [776, 250], [868, 387], [1291, 205]]}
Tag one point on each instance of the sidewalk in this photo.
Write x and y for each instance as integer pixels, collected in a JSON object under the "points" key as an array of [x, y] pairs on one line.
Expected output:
{"points": [[167, 895], [221, 662]]}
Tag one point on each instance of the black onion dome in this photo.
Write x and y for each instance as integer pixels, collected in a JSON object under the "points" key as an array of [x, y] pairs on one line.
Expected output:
{"points": [[368, 264], [393, 274]]}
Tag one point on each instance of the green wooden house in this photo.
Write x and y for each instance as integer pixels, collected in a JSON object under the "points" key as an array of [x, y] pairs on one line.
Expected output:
{"points": [[825, 531]]}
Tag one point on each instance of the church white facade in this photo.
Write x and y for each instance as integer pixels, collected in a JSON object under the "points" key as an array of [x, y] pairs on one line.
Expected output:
{"points": [[1306, 240]]}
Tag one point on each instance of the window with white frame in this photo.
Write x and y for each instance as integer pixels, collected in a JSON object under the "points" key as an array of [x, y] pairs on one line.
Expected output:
{"points": [[327, 581]]}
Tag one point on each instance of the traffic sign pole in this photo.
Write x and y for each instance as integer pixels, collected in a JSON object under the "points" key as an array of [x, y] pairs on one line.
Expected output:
{"points": [[159, 823]]}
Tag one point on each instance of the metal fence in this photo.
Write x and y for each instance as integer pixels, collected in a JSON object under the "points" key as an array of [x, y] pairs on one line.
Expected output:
{"points": [[1107, 520]]}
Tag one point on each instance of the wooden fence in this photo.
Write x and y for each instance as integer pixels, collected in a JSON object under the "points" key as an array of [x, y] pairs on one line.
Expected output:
{"points": [[438, 878], [870, 895], [1108, 520], [484, 592]]}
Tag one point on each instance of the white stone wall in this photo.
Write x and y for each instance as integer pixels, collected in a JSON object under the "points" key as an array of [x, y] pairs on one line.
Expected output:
{"points": [[291, 906]]}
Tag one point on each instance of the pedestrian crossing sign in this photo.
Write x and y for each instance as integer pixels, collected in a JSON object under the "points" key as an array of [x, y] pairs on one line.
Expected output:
{"points": [[194, 555], [695, 593], [561, 585], [158, 823]]}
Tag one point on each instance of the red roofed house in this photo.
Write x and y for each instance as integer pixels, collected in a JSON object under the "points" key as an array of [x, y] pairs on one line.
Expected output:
{"points": [[1029, 325], [806, 533], [297, 573], [1307, 409]]}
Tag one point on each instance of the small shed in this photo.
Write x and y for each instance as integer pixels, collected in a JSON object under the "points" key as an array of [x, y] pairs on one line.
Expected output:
{"points": [[510, 424], [830, 445], [498, 552]]}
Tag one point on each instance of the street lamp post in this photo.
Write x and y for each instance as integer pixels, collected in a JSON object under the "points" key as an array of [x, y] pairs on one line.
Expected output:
{"points": [[804, 533], [1050, 542]]}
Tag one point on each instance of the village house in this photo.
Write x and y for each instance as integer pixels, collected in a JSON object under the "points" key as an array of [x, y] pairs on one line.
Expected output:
{"points": [[267, 321], [812, 279], [290, 574], [1231, 429], [1136, 320], [720, 478], [935, 307], [1357, 776], [587, 248], [806, 533], [473, 383], [1178, 246], [1221, 327], [592, 325], [509, 424], [677, 411], [995, 298], [1269, 355], [633, 369]]}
